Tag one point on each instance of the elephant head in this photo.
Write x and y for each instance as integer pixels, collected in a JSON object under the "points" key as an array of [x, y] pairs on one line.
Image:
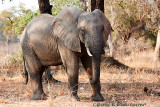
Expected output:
{"points": [[73, 26]]}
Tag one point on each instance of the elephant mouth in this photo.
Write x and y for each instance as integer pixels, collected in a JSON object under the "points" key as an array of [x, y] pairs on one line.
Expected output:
{"points": [[86, 45], [107, 49]]}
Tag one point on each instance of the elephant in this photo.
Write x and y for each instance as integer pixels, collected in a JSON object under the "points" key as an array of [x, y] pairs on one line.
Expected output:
{"points": [[48, 76], [72, 36]]}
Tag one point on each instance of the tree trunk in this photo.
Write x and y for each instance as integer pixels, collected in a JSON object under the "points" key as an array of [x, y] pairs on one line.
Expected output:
{"points": [[158, 4], [157, 49], [97, 4], [45, 7]]}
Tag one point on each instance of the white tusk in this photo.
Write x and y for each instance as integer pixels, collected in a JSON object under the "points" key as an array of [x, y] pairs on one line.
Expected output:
{"points": [[106, 51], [89, 53]]}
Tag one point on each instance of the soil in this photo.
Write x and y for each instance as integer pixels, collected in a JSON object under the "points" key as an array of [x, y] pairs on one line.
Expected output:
{"points": [[16, 93]]}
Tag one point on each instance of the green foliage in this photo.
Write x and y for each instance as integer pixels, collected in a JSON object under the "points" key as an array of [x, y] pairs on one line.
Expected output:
{"points": [[152, 37], [17, 59], [21, 22], [16, 19], [59, 4], [7, 17]]}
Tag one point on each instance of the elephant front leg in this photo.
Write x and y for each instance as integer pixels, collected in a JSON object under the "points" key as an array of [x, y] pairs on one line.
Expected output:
{"points": [[73, 73], [96, 87], [96, 95], [71, 63], [73, 85]]}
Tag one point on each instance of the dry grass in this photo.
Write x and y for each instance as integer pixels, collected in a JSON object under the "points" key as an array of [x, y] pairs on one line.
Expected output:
{"points": [[141, 60], [119, 86]]}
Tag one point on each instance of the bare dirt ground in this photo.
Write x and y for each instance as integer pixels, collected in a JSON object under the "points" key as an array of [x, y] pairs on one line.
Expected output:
{"points": [[120, 87], [13, 92]]}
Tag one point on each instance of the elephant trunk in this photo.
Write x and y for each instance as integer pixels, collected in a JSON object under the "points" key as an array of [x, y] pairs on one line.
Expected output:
{"points": [[96, 59], [97, 50], [94, 48]]}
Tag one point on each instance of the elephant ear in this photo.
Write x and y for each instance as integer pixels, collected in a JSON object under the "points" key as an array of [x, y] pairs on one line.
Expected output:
{"points": [[106, 23], [64, 28]]}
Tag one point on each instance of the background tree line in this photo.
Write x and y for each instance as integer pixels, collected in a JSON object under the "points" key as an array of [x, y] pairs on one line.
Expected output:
{"points": [[123, 14]]}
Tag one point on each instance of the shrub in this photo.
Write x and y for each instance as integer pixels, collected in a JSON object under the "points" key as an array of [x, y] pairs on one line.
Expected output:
{"points": [[17, 59], [125, 15]]}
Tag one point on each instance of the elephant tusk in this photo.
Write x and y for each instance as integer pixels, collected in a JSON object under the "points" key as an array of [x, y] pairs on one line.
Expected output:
{"points": [[106, 51], [89, 53], [110, 46], [86, 45]]}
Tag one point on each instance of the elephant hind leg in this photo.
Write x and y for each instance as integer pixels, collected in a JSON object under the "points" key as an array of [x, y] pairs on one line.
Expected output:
{"points": [[48, 76], [37, 89], [36, 70]]}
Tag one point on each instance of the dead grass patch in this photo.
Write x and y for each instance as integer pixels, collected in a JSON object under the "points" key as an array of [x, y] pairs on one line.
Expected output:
{"points": [[119, 86]]}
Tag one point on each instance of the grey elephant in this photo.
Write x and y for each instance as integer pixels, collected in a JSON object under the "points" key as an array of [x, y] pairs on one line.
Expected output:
{"points": [[72, 36]]}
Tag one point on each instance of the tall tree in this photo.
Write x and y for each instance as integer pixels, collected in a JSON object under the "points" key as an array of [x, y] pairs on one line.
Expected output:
{"points": [[84, 4], [44, 6], [157, 49], [97, 4]]}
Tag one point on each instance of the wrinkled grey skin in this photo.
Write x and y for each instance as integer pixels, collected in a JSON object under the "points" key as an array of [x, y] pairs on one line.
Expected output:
{"points": [[64, 40], [48, 76]]}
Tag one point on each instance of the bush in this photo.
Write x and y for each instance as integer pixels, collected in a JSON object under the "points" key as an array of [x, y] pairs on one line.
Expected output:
{"points": [[17, 59], [128, 14], [59, 4]]}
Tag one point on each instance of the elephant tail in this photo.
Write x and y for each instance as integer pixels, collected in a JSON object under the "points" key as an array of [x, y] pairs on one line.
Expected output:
{"points": [[25, 73]]}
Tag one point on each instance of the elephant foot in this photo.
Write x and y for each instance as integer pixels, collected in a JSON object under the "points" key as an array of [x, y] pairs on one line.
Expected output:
{"points": [[42, 96], [97, 97], [76, 98], [52, 80]]}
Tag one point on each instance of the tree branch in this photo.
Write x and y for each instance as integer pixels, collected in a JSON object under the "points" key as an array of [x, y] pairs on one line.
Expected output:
{"points": [[10, 20], [127, 33]]}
